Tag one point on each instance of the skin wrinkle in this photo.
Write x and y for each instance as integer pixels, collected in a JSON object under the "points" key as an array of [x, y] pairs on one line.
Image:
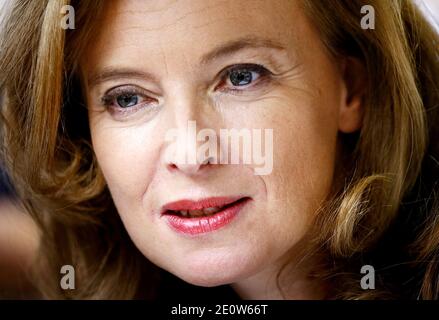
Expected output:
{"points": [[115, 74], [130, 151], [163, 54], [319, 149], [276, 66], [247, 42], [102, 75], [166, 26]]}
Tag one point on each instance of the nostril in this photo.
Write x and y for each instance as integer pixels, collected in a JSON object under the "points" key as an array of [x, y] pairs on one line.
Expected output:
{"points": [[208, 160], [190, 168]]}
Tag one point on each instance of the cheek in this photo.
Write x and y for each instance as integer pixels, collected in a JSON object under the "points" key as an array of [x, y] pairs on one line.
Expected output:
{"points": [[126, 157], [304, 155]]}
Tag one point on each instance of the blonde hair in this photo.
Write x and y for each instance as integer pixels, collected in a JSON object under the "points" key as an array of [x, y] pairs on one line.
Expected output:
{"points": [[386, 185]]}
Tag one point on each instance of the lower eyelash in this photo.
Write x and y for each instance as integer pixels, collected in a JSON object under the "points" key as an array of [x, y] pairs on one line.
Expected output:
{"points": [[126, 111], [263, 79], [265, 76], [107, 100]]}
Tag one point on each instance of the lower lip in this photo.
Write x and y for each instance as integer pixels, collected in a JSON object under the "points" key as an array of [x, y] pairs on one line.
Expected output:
{"points": [[200, 225]]}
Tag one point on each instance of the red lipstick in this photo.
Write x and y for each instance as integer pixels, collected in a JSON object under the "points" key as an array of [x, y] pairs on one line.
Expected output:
{"points": [[203, 216]]}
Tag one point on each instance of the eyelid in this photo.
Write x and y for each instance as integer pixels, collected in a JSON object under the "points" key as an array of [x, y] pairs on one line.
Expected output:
{"points": [[108, 100], [126, 89], [262, 70], [249, 66], [110, 95]]}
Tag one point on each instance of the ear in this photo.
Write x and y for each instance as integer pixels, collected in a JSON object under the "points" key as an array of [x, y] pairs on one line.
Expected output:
{"points": [[352, 106]]}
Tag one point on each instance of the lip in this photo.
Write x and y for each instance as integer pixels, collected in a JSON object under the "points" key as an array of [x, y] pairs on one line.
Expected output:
{"points": [[200, 204], [203, 224]]}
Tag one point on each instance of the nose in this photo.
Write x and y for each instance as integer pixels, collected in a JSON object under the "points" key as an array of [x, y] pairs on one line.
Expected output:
{"points": [[189, 168], [183, 152]]}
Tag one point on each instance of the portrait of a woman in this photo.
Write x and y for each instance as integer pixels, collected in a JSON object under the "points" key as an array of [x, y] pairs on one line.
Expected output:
{"points": [[353, 107]]}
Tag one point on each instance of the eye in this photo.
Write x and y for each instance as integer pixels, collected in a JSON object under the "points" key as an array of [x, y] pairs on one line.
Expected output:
{"points": [[127, 99], [240, 77]]}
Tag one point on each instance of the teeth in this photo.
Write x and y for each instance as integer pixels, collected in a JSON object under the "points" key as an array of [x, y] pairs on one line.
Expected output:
{"points": [[211, 210], [198, 213], [184, 213]]}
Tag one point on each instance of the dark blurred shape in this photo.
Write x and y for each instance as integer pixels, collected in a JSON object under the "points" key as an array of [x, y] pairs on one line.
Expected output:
{"points": [[18, 245], [6, 189]]}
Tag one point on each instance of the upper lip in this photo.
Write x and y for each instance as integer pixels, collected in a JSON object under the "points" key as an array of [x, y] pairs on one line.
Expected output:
{"points": [[187, 204]]}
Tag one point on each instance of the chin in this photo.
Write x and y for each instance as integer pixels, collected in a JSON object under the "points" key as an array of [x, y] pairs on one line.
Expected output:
{"points": [[212, 272], [206, 280], [210, 279]]}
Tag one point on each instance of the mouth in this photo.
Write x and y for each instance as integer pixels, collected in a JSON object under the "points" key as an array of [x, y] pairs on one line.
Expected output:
{"points": [[196, 217]]}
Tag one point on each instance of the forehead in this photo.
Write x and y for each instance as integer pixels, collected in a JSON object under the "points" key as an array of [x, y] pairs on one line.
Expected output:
{"points": [[166, 16], [190, 27]]}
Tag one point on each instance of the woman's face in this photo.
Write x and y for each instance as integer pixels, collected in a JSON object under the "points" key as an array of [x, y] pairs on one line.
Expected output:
{"points": [[155, 65]]}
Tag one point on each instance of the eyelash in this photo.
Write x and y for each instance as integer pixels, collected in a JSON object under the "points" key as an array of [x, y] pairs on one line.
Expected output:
{"points": [[264, 75], [109, 99]]}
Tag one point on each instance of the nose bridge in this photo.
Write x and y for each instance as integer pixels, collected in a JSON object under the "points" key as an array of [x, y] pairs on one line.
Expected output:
{"points": [[182, 100], [187, 112], [186, 109]]}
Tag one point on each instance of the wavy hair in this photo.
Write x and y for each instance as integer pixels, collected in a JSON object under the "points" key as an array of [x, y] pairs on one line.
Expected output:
{"points": [[384, 208]]}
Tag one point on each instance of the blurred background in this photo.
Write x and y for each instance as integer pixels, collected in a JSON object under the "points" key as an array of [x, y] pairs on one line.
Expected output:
{"points": [[18, 234], [431, 10]]}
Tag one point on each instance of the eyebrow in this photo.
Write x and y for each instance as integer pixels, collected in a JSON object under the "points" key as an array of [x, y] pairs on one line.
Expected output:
{"points": [[234, 46], [111, 73], [226, 49]]}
